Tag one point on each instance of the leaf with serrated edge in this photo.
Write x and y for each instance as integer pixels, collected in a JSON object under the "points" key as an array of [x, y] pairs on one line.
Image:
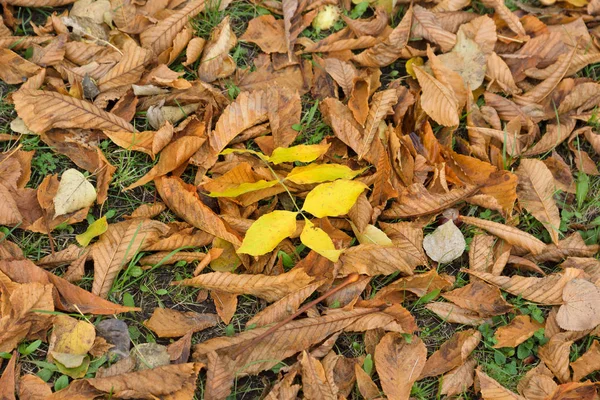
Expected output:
{"points": [[547, 290], [535, 192], [42, 110], [119, 244], [437, 100], [510, 234]]}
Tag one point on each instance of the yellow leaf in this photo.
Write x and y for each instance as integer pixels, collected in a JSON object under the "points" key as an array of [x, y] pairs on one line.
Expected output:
{"points": [[302, 152], [95, 229], [267, 231], [418, 61], [334, 198], [317, 173], [318, 240], [244, 188], [371, 235]]}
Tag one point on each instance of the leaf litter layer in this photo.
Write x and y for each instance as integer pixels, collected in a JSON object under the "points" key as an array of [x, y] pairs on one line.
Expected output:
{"points": [[344, 199]]}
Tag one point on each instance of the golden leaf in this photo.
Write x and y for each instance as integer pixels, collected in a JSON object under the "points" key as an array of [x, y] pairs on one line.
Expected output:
{"points": [[333, 199], [267, 231]]}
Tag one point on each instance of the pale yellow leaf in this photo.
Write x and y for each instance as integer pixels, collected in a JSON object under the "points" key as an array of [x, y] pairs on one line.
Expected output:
{"points": [[318, 240], [74, 193], [317, 173]]}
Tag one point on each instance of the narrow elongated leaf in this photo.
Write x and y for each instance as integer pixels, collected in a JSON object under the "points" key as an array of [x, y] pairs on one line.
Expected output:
{"points": [[510, 234], [315, 383], [547, 290], [244, 188], [535, 192], [171, 158], [302, 153], [416, 201], [183, 200], [267, 231], [95, 229], [317, 173], [270, 288], [42, 110], [128, 70], [381, 105]]}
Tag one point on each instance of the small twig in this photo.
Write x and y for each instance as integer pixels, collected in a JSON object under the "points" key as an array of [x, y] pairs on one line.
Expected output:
{"points": [[349, 280]]}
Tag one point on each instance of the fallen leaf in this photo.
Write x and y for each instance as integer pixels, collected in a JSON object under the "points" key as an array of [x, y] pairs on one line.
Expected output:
{"points": [[480, 297], [74, 193], [460, 379], [578, 312], [171, 323], [216, 62], [333, 199], [452, 353], [445, 244], [492, 390], [516, 332], [399, 363]]}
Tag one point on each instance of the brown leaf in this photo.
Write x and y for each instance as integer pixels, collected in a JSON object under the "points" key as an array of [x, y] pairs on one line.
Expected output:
{"points": [[375, 259], [314, 381], [386, 52], [581, 306], [460, 379], [220, 376], [492, 390], [171, 158], [343, 73], [225, 303], [571, 246], [283, 307], [270, 288], [547, 290], [183, 200], [426, 24], [555, 354], [37, 108], [537, 384], [437, 100], [556, 133], [417, 201], [500, 77], [33, 387], [507, 233], [399, 364], [587, 363], [171, 323], [248, 110], [284, 110], [535, 192], [286, 341], [452, 353], [504, 13], [419, 284], [481, 298], [216, 62], [19, 320], [117, 246], [160, 37], [128, 70], [14, 69], [516, 332], [381, 105], [367, 388], [70, 297], [8, 379], [267, 33]]}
